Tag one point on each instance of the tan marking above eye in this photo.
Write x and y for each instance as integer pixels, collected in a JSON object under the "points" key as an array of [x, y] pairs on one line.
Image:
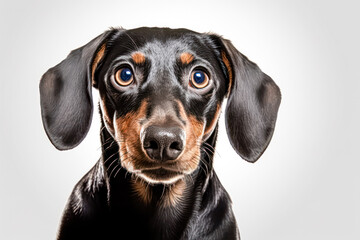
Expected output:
{"points": [[138, 57], [124, 80], [186, 58]]}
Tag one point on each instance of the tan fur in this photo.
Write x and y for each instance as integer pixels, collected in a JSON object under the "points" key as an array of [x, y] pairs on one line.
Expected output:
{"points": [[127, 134], [194, 132], [229, 69], [142, 190], [138, 57], [97, 59], [105, 114], [173, 194], [210, 127], [186, 58], [170, 198]]}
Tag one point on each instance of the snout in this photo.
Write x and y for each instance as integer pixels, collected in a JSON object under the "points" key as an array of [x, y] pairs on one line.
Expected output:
{"points": [[159, 144], [163, 143]]}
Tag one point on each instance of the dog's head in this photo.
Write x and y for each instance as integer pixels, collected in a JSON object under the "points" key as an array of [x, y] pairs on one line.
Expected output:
{"points": [[160, 96]]}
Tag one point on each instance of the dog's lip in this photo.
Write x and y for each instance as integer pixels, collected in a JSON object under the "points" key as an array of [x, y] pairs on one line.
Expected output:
{"points": [[161, 171], [161, 175]]}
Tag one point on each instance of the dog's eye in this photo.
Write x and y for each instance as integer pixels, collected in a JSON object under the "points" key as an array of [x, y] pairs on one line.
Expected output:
{"points": [[199, 79], [124, 76]]}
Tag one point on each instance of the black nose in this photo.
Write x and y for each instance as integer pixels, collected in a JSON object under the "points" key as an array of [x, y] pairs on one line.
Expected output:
{"points": [[163, 143]]}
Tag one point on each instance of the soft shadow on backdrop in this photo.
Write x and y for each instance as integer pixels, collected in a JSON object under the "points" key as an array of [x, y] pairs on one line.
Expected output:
{"points": [[306, 185]]}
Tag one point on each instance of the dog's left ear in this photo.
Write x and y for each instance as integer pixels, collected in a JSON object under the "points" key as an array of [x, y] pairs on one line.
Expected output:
{"points": [[252, 106], [66, 97]]}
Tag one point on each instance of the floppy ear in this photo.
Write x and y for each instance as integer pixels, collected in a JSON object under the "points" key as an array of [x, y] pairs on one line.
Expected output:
{"points": [[252, 105], [66, 97]]}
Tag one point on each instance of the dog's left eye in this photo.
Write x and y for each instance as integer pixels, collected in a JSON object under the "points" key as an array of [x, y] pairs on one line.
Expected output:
{"points": [[199, 79], [124, 76]]}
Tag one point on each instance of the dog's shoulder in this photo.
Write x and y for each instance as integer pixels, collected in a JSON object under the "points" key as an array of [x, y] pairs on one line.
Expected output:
{"points": [[87, 204], [91, 190]]}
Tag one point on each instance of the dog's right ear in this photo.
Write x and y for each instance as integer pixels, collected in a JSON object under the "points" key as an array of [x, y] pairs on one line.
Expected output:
{"points": [[66, 97]]}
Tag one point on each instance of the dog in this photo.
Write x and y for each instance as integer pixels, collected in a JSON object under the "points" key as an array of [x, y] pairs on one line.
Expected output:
{"points": [[161, 92]]}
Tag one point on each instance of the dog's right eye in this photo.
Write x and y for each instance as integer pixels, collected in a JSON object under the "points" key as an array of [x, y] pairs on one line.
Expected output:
{"points": [[124, 76]]}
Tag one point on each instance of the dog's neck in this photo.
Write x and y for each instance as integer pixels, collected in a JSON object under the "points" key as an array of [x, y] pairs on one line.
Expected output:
{"points": [[153, 201]]}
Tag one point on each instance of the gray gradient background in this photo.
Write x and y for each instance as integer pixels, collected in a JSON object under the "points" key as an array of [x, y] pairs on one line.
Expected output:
{"points": [[306, 185]]}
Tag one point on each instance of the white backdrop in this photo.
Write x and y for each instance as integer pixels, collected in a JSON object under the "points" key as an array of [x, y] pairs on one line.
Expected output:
{"points": [[306, 185]]}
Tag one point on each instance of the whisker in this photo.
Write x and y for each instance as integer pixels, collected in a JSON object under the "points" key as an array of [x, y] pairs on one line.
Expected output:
{"points": [[209, 145], [116, 166], [209, 149], [114, 161], [202, 162], [117, 171], [205, 151], [109, 145], [111, 156], [213, 149], [104, 143], [204, 168], [163, 191]]}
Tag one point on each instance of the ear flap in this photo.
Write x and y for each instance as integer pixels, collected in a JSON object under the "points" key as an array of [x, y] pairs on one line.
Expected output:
{"points": [[66, 97], [252, 105]]}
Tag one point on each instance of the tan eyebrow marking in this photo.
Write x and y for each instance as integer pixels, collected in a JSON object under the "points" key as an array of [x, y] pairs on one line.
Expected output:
{"points": [[138, 57], [186, 58]]}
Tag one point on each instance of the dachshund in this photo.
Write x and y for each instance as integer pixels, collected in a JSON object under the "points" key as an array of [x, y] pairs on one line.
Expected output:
{"points": [[161, 92]]}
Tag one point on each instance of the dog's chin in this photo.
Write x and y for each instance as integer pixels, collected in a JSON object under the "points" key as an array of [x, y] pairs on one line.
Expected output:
{"points": [[160, 176]]}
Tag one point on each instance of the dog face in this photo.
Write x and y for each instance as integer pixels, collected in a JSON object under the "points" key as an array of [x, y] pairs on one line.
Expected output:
{"points": [[160, 99], [160, 96]]}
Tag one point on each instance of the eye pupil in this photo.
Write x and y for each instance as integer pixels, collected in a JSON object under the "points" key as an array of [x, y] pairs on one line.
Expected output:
{"points": [[124, 77], [126, 74], [199, 77]]}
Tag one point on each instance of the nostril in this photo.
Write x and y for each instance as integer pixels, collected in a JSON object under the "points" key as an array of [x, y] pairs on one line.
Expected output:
{"points": [[152, 149], [151, 144], [176, 146]]}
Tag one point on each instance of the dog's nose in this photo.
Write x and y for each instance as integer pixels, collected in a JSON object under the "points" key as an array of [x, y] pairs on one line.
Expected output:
{"points": [[163, 143]]}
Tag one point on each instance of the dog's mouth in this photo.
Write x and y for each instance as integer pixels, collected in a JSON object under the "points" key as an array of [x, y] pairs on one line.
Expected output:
{"points": [[160, 175]]}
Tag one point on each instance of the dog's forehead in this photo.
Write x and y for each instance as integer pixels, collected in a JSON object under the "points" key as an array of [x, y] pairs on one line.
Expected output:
{"points": [[161, 44], [164, 52], [160, 34]]}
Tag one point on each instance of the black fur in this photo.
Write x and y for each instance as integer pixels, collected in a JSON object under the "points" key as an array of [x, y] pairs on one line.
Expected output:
{"points": [[103, 204]]}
